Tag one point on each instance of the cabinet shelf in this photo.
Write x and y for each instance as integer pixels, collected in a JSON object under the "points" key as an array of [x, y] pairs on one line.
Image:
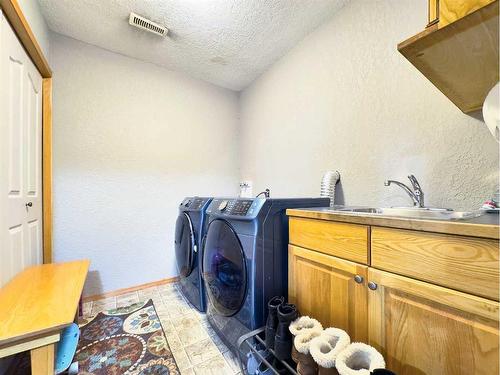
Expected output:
{"points": [[461, 58]]}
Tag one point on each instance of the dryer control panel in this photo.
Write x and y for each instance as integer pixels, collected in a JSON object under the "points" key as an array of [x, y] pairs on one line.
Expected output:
{"points": [[194, 203], [241, 207]]}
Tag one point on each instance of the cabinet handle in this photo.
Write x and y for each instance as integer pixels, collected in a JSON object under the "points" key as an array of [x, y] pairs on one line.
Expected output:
{"points": [[372, 285], [358, 278]]}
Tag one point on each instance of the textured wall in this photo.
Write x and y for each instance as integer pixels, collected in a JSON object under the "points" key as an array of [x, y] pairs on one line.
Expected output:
{"points": [[32, 12], [132, 139], [345, 99]]}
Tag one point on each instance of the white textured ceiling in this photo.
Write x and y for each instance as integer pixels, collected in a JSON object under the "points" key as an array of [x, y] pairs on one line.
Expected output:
{"points": [[225, 42]]}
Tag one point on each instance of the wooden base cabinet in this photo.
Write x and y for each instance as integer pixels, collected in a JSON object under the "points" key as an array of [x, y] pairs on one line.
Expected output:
{"points": [[330, 289], [422, 328]]}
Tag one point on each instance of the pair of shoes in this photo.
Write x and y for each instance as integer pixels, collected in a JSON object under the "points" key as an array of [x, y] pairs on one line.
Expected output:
{"points": [[330, 352], [278, 336]]}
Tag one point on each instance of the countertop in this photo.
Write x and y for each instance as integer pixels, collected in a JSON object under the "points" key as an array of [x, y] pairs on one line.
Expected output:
{"points": [[485, 226]]}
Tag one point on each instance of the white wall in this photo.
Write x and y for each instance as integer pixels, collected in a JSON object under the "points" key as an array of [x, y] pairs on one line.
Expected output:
{"points": [[32, 12], [345, 99], [131, 140]]}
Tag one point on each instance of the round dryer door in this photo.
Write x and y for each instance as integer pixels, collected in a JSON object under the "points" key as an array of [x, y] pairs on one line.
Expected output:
{"points": [[184, 244], [224, 268]]}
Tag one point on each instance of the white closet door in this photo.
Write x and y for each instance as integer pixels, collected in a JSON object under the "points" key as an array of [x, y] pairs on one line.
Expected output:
{"points": [[20, 157]]}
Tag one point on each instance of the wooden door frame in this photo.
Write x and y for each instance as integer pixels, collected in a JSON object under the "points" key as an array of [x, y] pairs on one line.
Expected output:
{"points": [[12, 11]]}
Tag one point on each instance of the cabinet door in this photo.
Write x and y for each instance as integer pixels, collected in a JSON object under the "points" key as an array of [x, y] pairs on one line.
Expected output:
{"points": [[421, 328], [324, 287]]}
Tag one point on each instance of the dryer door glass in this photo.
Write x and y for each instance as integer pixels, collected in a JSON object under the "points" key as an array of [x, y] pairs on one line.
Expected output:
{"points": [[184, 244], [224, 268]]}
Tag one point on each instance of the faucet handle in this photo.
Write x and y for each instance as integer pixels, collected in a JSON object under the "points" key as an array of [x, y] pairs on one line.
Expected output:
{"points": [[414, 183], [419, 193]]}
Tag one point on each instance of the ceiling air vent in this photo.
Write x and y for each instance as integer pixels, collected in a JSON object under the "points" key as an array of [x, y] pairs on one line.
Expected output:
{"points": [[145, 24]]}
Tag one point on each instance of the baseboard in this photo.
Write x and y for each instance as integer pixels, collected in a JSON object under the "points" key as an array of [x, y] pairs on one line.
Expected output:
{"points": [[135, 288]]}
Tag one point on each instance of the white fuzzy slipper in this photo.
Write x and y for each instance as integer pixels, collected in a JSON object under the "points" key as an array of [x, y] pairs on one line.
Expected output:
{"points": [[302, 342], [359, 359], [305, 324], [326, 347]]}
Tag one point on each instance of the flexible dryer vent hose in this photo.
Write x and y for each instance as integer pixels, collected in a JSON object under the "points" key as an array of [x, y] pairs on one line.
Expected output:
{"points": [[328, 182]]}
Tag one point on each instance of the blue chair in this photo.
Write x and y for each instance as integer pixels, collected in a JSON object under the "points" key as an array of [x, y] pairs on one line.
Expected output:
{"points": [[66, 348]]}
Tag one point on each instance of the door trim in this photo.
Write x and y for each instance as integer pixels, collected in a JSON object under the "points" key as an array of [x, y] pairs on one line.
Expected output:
{"points": [[15, 16], [47, 168]]}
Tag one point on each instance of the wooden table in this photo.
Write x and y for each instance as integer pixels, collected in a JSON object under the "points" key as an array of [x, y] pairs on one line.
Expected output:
{"points": [[35, 306]]}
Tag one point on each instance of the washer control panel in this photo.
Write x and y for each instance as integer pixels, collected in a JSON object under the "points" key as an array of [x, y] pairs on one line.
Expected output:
{"points": [[242, 207]]}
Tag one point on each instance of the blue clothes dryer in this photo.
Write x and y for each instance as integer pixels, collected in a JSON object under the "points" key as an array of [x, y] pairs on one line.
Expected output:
{"points": [[245, 261], [188, 236]]}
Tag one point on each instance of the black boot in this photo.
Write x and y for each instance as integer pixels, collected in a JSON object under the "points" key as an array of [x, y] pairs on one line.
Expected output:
{"points": [[287, 313], [272, 320], [382, 371]]}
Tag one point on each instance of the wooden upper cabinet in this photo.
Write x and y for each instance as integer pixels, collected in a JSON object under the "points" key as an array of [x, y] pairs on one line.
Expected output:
{"points": [[458, 53], [449, 11], [421, 328], [324, 287], [348, 241]]}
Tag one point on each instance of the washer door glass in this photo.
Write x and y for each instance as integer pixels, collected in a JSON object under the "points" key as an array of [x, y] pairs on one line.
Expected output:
{"points": [[224, 268], [184, 244]]}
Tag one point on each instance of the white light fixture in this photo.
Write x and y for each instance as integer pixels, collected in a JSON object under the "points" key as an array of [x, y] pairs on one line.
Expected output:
{"points": [[491, 111]]}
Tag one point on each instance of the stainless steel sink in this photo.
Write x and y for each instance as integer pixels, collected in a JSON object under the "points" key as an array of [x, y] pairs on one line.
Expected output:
{"points": [[413, 212]]}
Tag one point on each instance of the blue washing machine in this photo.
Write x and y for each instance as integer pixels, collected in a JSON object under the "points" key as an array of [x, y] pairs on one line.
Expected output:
{"points": [[245, 261], [189, 231]]}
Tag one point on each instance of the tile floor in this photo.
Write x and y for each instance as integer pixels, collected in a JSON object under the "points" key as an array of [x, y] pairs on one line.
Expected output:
{"points": [[196, 347]]}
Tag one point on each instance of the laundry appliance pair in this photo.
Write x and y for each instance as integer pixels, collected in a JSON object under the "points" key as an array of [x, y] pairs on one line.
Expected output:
{"points": [[232, 258]]}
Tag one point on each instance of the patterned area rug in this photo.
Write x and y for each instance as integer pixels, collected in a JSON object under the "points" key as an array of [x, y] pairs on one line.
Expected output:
{"points": [[126, 340]]}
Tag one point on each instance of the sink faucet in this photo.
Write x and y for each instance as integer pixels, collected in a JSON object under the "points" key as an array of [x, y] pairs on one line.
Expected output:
{"points": [[416, 195]]}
